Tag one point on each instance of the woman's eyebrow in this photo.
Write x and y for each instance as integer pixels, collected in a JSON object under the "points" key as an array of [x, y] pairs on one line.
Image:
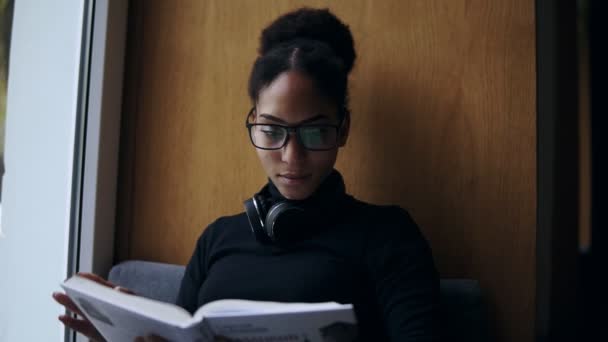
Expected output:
{"points": [[281, 121]]}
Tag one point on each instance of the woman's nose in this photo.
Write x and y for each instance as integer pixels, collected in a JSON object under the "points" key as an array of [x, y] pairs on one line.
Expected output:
{"points": [[293, 150]]}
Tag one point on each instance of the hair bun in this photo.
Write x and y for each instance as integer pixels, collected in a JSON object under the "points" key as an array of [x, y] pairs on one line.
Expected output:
{"points": [[313, 24]]}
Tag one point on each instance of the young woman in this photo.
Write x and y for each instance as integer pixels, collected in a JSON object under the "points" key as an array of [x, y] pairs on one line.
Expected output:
{"points": [[302, 238]]}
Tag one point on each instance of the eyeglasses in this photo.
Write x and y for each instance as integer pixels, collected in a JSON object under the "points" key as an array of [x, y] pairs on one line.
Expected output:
{"points": [[312, 137]]}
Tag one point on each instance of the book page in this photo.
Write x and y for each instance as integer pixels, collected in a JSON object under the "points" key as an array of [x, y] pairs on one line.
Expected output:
{"points": [[228, 307]]}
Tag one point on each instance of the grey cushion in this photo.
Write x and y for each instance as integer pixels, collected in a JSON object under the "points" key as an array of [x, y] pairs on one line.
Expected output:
{"points": [[462, 308], [149, 279], [462, 311]]}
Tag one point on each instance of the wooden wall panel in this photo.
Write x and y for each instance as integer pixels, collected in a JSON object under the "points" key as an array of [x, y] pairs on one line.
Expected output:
{"points": [[443, 123]]}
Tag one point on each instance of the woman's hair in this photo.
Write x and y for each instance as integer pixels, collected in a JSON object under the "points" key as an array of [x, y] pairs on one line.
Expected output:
{"points": [[312, 41]]}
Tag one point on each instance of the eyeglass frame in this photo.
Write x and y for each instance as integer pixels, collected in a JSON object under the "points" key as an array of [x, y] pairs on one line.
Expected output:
{"points": [[289, 130]]}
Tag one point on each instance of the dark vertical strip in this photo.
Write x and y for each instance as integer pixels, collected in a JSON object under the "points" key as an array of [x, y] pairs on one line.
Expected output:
{"points": [[80, 144], [593, 262], [557, 171], [6, 29], [128, 133]]}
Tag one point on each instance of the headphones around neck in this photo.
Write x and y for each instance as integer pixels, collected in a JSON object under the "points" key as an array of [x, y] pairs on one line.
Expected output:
{"points": [[281, 222]]}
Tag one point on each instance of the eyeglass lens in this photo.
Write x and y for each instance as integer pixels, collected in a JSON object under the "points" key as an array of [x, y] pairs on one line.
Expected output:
{"points": [[317, 137]]}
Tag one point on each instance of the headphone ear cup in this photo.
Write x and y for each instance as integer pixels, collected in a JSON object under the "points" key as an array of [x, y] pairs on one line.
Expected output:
{"points": [[271, 219], [286, 222], [262, 203], [255, 210]]}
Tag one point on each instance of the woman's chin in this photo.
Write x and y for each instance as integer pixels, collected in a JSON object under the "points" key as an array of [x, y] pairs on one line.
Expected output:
{"points": [[295, 194], [295, 189]]}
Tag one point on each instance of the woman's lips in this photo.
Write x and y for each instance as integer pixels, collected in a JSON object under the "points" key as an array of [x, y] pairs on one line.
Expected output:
{"points": [[293, 179]]}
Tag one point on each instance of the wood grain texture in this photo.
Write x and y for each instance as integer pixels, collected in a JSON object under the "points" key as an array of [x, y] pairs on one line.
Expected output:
{"points": [[443, 124]]}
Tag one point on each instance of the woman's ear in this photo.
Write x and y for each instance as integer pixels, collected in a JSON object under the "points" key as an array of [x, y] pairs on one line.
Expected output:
{"points": [[344, 129], [252, 115]]}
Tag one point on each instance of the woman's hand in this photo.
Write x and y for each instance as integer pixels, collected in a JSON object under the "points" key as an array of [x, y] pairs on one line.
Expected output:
{"points": [[82, 325]]}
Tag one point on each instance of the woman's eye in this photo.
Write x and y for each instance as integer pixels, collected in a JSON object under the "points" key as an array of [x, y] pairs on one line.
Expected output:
{"points": [[272, 133], [319, 131]]}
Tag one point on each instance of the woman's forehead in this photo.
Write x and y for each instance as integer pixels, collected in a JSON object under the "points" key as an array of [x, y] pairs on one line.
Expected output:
{"points": [[291, 120], [294, 117], [293, 97]]}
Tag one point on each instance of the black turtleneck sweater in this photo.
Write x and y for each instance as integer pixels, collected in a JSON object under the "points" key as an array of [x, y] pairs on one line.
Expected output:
{"points": [[373, 257]]}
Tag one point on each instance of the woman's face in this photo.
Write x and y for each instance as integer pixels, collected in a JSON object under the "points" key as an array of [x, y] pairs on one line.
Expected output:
{"points": [[292, 99]]}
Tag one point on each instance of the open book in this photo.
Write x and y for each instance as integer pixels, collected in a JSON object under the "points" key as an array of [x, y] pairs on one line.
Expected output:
{"points": [[122, 317]]}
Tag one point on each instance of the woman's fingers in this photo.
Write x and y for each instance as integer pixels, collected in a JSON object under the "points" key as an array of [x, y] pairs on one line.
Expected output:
{"points": [[82, 326], [102, 281], [64, 300], [96, 278], [124, 289]]}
